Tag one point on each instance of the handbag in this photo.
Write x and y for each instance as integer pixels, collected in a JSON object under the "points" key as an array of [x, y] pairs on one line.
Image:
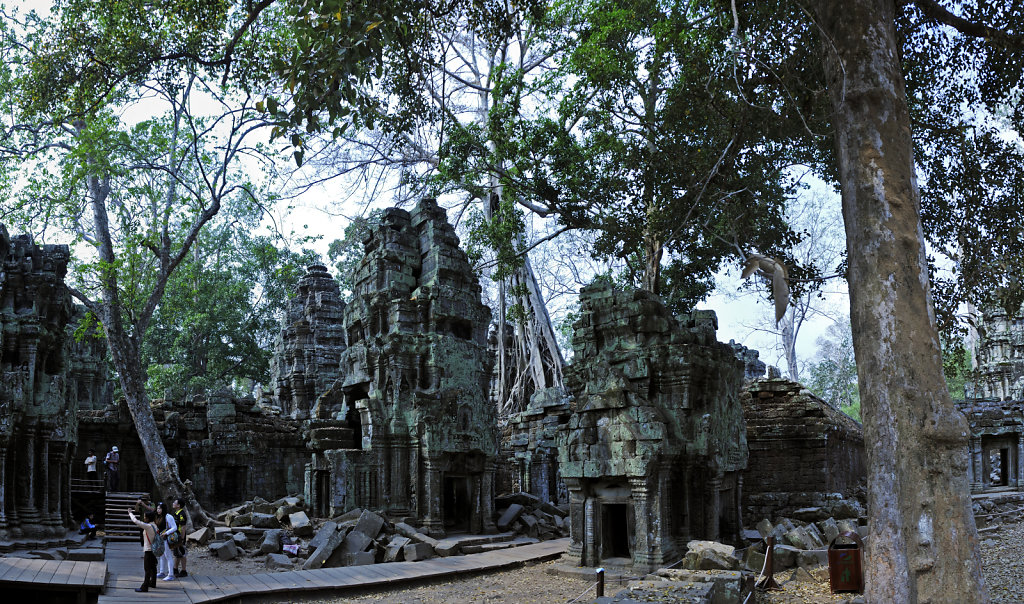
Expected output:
{"points": [[174, 540]]}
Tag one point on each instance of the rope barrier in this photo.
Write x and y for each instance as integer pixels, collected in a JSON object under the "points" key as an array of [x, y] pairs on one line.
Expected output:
{"points": [[583, 594]]}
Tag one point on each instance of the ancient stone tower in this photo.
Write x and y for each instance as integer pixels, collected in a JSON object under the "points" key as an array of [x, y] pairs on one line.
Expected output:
{"points": [[653, 451], [407, 427], [38, 428], [307, 354]]}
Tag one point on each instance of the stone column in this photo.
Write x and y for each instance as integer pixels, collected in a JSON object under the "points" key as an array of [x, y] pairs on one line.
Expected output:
{"points": [[14, 486], [4, 491], [976, 467], [1020, 461], [739, 507], [712, 508], [646, 526], [591, 557], [577, 525], [433, 521], [27, 509], [487, 497], [43, 461]]}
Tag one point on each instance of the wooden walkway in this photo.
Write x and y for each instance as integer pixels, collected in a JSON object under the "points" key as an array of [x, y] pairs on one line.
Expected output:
{"points": [[125, 564], [52, 575]]}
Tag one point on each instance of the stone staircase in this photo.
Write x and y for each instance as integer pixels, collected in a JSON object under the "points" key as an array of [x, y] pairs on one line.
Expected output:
{"points": [[118, 527]]}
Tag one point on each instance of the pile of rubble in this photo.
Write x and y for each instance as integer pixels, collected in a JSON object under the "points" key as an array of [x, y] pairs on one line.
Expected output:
{"points": [[282, 531], [526, 514]]}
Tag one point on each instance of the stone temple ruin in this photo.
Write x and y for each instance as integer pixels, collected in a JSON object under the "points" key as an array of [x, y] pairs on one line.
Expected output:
{"points": [[804, 453], [653, 452], [407, 427], [38, 397], [994, 404]]}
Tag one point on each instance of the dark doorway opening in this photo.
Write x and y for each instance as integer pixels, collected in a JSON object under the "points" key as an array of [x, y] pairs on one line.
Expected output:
{"points": [[457, 505], [322, 480], [614, 531], [232, 484], [1004, 467]]}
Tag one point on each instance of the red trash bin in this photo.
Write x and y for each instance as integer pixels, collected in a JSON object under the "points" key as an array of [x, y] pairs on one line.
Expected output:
{"points": [[845, 564]]}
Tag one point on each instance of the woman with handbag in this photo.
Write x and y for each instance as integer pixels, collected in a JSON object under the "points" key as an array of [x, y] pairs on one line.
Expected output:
{"points": [[167, 528], [149, 535]]}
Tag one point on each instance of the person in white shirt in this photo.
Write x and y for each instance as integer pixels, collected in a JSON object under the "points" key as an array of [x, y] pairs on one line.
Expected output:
{"points": [[90, 465], [165, 564]]}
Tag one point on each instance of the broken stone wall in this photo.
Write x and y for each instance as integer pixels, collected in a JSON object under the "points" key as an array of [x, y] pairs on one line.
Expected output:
{"points": [[533, 446], [407, 429], [37, 414], [231, 448], [803, 452], [653, 451]]}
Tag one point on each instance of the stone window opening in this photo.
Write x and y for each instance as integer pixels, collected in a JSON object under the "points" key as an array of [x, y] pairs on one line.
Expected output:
{"points": [[322, 484], [355, 333], [999, 466], [461, 329]]}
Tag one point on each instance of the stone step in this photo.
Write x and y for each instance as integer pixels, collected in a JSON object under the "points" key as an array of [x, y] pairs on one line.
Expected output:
{"points": [[490, 547], [455, 544], [86, 554]]}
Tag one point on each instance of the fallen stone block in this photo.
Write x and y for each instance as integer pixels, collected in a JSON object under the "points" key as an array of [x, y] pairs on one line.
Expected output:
{"points": [[356, 541], [271, 543], [394, 551], [240, 539], [531, 524], [262, 506], [812, 557], [408, 531], [221, 533], [359, 559], [417, 551], [521, 498], [301, 525], [829, 529], [352, 514], [325, 531], [512, 514], [322, 553], [710, 555], [202, 536], [225, 550], [269, 521], [785, 556], [279, 561], [812, 514], [369, 523], [240, 520], [726, 586], [284, 510], [85, 554]]}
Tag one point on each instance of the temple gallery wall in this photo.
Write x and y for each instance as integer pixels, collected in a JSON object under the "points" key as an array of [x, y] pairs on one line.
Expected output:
{"points": [[662, 435]]}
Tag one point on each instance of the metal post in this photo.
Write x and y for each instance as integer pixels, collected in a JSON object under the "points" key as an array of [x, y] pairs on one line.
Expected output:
{"points": [[600, 582]]}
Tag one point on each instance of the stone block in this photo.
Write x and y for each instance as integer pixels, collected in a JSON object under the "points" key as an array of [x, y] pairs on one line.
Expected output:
{"points": [[408, 531], [710, 555], [394, 550], [328, 529], [283, 511], [812, 557], [531, 524], [240, 540], [279, 562], [512, 514], [262, 506], [225, 550], [240, 520], [356, 541], [268, 521], [322, 553], [812, 514], [369, 523], [358, 559], [829, 529], [418, 551], [301, 525], [202, 536], [785, 556], [221, 533], [271, 543]]}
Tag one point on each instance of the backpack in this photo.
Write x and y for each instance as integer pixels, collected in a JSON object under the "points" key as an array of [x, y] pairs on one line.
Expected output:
{"points": [[158, 545], [174, 540]]}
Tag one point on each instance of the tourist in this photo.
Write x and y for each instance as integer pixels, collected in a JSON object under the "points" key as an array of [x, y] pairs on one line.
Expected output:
{"points": [[180, 517], [112, 461], [149, 532], [88, 527], [166, 526], [90, 465]]}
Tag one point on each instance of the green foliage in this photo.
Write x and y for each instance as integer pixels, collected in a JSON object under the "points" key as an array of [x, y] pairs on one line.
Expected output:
{"points": [[833, 377], [346, 253], [216, 324], [956, 366]]}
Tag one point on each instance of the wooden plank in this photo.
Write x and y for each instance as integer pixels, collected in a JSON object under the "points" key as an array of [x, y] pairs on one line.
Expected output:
{"points": [[247, 586], [7, 566], [29, 568], [50, 570], [60, 577], [96, 575], [77, 576], [207, 586], [313, 579], [271, 581], [256, 582], [227, 586]]}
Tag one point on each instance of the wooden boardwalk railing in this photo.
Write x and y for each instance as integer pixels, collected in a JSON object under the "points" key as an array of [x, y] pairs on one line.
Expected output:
{"points": [[52, 575]]}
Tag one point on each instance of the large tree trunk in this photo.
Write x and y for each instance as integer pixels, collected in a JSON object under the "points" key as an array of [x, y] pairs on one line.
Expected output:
{"points": [[125, 355], [923, 544]]}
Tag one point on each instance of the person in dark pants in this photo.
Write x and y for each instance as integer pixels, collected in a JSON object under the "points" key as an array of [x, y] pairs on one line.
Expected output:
{"points": [[88, 527], [113, 462], [148, 535]]}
